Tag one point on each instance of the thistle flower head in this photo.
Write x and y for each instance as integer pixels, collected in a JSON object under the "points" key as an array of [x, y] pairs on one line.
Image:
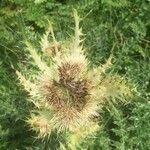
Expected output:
{"points": [[70, 91]]}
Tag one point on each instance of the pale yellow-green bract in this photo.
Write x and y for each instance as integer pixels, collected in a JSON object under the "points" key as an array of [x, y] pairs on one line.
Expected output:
{"points": [[69, 93]]}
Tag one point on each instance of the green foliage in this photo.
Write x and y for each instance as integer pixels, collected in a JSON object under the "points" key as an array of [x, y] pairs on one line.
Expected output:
{"points": [[12, 99], [123, 24]]}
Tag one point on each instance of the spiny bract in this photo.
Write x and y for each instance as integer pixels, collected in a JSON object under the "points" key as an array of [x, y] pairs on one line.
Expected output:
{"points": [[68, 93]]}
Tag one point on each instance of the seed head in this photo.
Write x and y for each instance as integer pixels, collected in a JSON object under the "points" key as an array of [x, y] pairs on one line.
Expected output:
{"points": [[69, 90]]}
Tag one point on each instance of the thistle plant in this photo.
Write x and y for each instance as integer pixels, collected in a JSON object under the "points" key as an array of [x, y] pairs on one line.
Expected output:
{"points": [[69, 93]]}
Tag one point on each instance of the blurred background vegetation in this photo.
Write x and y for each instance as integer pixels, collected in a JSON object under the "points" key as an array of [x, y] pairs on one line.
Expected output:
{"points": [[123, 23]]}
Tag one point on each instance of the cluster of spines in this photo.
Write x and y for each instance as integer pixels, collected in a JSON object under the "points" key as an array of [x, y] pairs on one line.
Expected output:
{"points": [[70, 90]]}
